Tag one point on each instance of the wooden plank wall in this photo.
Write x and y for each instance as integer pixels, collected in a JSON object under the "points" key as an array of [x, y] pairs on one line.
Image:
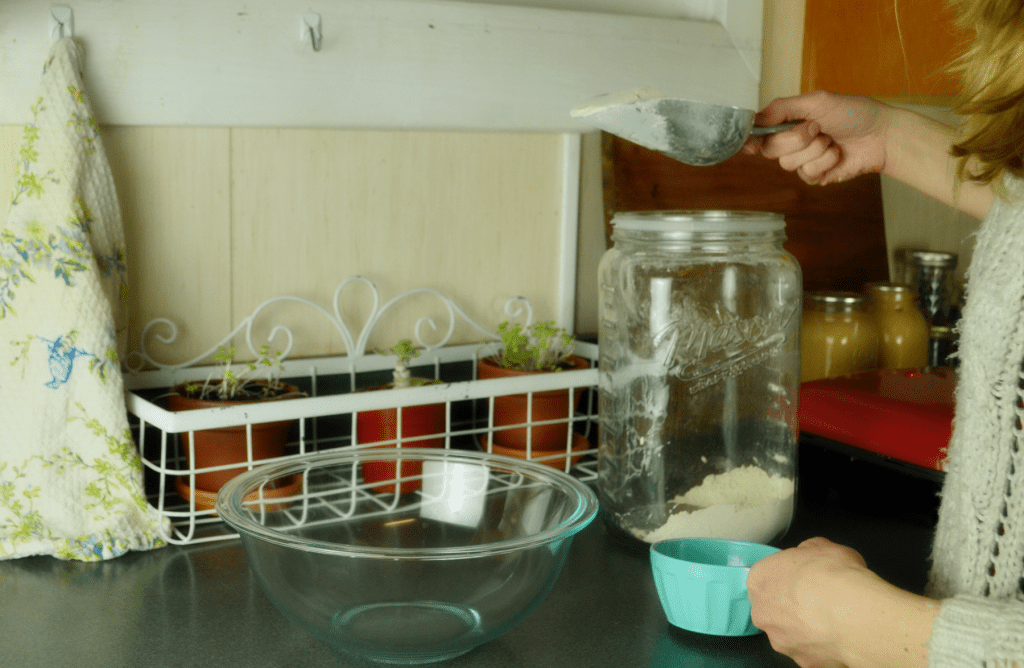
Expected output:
{"points": [[837, 233]]}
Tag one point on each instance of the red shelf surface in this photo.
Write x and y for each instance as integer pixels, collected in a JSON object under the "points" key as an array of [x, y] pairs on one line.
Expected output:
{"points": [[906, 414]]}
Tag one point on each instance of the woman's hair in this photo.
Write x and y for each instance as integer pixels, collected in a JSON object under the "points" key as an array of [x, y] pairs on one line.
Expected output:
{"points": [[992, 94]]}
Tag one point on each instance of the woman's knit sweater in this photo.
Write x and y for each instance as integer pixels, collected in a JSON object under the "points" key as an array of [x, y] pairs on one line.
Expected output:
{"points": [[978, 554]]}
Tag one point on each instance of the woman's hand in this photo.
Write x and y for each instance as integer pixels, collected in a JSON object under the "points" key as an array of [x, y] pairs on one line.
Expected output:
{"points": [[842, 136], [792, 599], [819, 604]]}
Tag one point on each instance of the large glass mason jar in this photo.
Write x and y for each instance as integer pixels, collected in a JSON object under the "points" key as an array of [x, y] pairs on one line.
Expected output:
{"points": [[700, 367]]}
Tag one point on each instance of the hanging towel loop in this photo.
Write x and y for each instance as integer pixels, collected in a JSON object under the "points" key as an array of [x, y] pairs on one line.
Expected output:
{"points": [[62, 22]]}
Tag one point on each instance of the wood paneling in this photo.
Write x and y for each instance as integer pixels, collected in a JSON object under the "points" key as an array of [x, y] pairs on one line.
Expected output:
{"points": [[837, 232], [881, 48], [219, 220], [475, 216], [174, 189]]}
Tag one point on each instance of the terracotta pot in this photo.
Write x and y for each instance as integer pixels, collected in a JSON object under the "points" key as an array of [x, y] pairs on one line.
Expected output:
{"points": [[280, 488], [554, 458], [227, 445], [382, 425], [549, 405]]}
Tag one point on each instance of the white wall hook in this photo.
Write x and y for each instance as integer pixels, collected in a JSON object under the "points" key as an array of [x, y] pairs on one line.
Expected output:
{"points": [[62, 22], [309, 29]]}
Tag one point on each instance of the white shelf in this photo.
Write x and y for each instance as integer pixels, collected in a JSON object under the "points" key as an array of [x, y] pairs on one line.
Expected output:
{"points": [[411, 64]]}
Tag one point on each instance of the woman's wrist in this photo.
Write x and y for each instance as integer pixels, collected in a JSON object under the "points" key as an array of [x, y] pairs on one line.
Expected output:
{"points": [[879, 624], [918, 154], [914, 142]]}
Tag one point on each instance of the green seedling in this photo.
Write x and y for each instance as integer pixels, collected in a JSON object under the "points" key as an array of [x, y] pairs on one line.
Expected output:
{"points": [[240, 384], [538, 347]]}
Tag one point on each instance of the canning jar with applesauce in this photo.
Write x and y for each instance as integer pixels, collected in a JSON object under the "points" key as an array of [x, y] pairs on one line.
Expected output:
{"points": [[699, 375], [837, 336], [902, 329]]}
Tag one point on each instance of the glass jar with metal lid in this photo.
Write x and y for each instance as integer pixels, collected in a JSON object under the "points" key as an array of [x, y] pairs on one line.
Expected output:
{"points": [[930, 273], [838, 336], [902, 329], [942, 341], [700, 341]]}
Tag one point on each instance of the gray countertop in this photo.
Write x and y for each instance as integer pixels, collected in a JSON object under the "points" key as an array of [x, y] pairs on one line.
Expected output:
{"points": [[200, 605]]}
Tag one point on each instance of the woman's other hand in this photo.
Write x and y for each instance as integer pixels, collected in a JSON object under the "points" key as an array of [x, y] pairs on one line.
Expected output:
{"points": [[791, 599], [842, 136], [819, 604]]}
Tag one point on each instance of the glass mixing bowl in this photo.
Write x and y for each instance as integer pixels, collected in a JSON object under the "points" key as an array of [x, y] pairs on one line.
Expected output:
{"points": [[463, 549]]}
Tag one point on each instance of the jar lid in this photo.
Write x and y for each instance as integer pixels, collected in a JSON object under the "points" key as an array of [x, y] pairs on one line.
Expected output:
{"points": [[699, 221], [891, 288], [834, 302], [837, 298], [932, 259]]}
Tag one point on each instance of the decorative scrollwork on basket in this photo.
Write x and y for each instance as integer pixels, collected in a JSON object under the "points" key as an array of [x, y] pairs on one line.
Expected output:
{"points": [[137, 360]]}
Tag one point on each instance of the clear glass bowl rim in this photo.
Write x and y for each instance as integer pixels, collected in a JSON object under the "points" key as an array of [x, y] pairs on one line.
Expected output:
{"points": [[229, 502]]}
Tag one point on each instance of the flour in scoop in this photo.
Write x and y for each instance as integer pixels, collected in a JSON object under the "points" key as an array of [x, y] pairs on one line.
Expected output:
{"points": [[744, 503], [609, 100]]}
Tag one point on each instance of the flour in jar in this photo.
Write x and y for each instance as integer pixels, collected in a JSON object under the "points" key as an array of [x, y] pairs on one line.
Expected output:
{"points": [[744, 503]]}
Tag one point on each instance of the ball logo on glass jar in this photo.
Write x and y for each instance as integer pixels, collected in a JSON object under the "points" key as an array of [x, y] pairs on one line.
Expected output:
{"points": [[703, 351]]}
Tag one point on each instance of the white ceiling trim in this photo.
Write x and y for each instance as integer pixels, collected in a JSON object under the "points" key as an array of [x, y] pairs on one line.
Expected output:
{"points": [[415, 64]]}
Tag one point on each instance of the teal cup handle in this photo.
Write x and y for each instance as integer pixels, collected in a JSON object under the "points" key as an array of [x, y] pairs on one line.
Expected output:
{"points": [[702, 583]]}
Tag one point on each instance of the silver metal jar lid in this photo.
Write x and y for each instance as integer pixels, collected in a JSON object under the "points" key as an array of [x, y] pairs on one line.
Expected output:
{"points": [[932, 259], [835, 301], [699, 221], [850, 298], [892, 287]]}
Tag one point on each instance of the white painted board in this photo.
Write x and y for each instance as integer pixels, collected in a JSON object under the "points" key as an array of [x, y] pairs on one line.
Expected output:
{"points": [[413, 64]]}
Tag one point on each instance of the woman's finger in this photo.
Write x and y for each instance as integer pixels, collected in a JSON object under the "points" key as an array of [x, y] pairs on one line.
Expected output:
{"points": [[790, 141], [752, 146], [805, 158], [794, 108], [824, 544], [817, 541], [816, 171]]}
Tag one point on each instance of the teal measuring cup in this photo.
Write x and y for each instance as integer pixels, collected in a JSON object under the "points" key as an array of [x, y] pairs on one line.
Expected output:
{"points": [[702, 583]]}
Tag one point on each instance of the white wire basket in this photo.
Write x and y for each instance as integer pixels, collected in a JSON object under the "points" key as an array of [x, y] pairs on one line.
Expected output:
{"points": [[327, 417]]}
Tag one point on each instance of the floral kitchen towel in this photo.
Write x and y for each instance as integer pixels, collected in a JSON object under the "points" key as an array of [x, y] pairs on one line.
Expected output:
{"points": [[70, 474]]}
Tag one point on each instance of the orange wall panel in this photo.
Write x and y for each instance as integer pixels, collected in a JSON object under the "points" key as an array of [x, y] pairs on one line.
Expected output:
{"points": [[883, 48]]}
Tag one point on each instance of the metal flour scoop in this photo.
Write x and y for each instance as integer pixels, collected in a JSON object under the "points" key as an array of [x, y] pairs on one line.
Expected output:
{"points": [[697, 133]]}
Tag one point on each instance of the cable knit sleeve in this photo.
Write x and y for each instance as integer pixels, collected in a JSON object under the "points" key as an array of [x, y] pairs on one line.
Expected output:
{"points": [[976, 632], [978, 553]]}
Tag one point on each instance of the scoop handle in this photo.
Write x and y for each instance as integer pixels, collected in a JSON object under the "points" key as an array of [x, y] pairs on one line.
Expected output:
{"points": [[759, 130]]}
